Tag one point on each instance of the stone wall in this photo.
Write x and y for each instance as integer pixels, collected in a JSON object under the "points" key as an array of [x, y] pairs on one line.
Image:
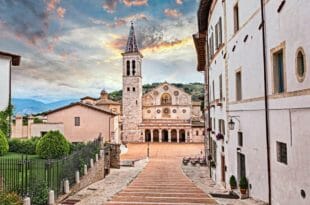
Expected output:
{"points": [[115, 156]]}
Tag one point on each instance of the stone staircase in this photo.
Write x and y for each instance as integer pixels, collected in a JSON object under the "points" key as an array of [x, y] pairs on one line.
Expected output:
{"points": [[162, 182]]}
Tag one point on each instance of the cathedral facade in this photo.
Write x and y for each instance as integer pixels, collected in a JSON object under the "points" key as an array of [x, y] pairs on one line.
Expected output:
{"points": [[164, 114]]}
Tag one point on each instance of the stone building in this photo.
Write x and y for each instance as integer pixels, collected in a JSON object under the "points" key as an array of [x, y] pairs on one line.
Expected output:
{"points": [[164, 114], [258, 84]]}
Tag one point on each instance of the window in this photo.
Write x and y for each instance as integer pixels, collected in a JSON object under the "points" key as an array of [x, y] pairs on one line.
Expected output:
{"points": [[238, 86], [166, 99], [134, 89], [278, 72], [197, 133], [128, 67], [221, 126], [77, 121], [128, 89], [240, 139], [221, 86], [281, 152], [133, 67], [220, 31], [236, 18], [213, 90], [216, 36], [300, 65], [211, 46]]}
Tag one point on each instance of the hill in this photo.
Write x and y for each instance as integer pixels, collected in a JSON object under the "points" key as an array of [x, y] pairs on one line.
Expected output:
{"points": [[194, 89]]}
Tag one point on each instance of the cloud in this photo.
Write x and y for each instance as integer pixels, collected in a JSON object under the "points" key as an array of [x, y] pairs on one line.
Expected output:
{"points": [[51, 5], [135, 2], [172, 13], [118, 22], [61, 12], [110, 5], [180, 2]]}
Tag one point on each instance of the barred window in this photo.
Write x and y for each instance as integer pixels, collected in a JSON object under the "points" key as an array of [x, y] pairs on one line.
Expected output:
{"points": [[77, 121], [282, 152]]}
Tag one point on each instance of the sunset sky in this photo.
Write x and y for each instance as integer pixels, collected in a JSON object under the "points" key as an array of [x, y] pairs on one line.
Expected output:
{"points": [[72, 48]]}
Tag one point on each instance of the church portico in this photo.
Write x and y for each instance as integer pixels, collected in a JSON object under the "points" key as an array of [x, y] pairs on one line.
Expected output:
{"points": [[165, 134]]}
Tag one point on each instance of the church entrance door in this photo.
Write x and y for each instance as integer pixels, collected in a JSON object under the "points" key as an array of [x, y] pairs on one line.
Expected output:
{"points": [[182, 136], [155, 136], [165, 136], [147, 136], [174, 136]]}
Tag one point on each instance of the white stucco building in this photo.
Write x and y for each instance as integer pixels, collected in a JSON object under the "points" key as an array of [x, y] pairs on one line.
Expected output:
{"points": [[6, 61], [269, 123]]}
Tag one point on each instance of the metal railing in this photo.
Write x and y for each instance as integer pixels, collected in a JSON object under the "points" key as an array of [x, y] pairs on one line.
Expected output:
{"points": [[24, 175]]}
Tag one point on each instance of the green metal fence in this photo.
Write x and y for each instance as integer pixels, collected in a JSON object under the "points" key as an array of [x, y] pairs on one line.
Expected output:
{"points": [[25, 175]]}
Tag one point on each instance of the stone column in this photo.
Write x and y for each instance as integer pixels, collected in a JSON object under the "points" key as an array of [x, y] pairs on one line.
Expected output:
{"points": [[178, 136], [152, 137], [143, 134], [160, 135], [169, 136]]}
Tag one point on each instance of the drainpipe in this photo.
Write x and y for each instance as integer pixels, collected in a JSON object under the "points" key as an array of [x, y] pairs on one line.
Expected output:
{"points": [[10, 96], [266, 99], [207, 80]]}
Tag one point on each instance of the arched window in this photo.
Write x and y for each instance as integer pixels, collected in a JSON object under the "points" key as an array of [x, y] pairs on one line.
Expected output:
{"points": [[133, 67], [166, 99], [128, 67], [300, 65]]}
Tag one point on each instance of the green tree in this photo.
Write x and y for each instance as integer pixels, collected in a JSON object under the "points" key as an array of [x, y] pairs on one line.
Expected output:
{"points": [[4, 120], [53, 145], [4, 145]]}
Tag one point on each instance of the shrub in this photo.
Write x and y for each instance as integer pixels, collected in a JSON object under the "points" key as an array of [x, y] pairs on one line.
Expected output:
{"points": [[233, 182], [243, 184], [53, 145], [38, 192], [23, 146], [10, 199], [76, 146], [4, 145]]}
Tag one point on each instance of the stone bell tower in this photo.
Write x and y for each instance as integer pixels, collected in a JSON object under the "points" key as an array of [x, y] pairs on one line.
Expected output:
{"points": [[132, 90]]}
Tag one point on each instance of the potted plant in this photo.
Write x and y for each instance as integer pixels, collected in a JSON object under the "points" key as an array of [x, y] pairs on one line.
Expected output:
{"points": [[209, 157], [212, 164], [209, 129], [219, 136], [233, 182], [243, 185]]}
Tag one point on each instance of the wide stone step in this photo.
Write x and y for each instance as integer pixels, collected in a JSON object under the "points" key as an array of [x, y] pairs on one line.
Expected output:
{"points": [[162, 194], [163, 199], [152, 203], [161, 191]]}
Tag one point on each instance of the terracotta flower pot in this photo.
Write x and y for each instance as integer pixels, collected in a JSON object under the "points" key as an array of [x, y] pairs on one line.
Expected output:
{"points": [[243, 191]]}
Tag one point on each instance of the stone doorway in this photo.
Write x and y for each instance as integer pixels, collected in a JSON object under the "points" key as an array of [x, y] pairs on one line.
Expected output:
{"points": [[182, 136], [174, 136], [155, 136], [165, 136], [147, 136]]}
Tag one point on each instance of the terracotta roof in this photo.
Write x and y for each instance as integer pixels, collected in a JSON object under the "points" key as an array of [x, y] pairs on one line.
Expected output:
{"points": [[84, 105], [203, 15], [107, 102], [15, 58], [88, 97]]}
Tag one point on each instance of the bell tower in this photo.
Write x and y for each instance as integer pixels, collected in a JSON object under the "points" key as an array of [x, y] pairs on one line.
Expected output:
{"points": [[132, 90]]}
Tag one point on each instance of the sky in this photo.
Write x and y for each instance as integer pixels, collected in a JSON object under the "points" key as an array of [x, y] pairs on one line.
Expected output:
{"points": [[72, 48]]}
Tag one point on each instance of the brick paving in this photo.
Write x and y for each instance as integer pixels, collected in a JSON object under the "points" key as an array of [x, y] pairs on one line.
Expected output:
{"points": [[162, 181]]}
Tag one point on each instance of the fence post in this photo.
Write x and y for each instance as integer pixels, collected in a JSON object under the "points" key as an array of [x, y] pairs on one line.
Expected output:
{"points": [[77, 177], [85, 169], [26, 201], [96, 158], [91, 163], [66, 186], [51, 198]]}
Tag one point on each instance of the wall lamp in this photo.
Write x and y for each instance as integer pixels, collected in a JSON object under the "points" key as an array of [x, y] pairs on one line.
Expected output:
{"points": [[231, 123]]}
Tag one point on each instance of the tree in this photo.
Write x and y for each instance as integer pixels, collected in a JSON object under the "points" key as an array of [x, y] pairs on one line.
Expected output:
{"points": [[5, 120]]}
